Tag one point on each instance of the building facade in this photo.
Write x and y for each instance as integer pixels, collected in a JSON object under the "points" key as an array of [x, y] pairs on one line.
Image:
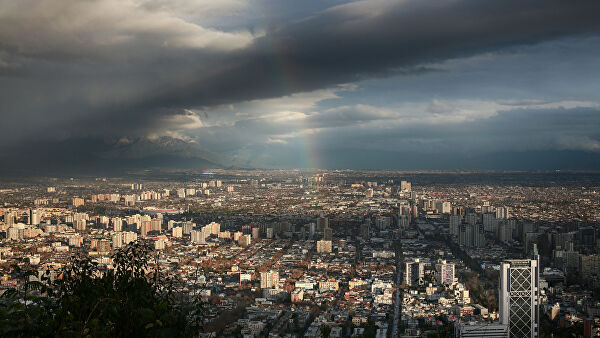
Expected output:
{"points": [[519, 297]]}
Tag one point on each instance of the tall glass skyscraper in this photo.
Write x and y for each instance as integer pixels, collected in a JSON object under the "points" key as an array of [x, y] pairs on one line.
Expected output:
{"points": [[519, 297]]}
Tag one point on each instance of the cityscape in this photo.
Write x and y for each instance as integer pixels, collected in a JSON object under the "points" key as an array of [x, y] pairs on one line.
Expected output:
{"points": [[299, 253], [300, 169]]}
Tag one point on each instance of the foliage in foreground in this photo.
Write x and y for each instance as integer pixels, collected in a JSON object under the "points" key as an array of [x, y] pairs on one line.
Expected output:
{"points": [[129, 301]]}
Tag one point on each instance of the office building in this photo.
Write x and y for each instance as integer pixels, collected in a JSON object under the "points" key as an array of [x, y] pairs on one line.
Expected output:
{"points": [[519, 297]]}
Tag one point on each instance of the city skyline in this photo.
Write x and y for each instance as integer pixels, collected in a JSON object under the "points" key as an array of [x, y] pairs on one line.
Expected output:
{"points": [[106, 86], [339, 253]]}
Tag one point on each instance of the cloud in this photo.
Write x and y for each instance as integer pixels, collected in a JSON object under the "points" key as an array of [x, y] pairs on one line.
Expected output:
{"points": [[197, 10], [570, 142], [104, 29], [111, 68]]}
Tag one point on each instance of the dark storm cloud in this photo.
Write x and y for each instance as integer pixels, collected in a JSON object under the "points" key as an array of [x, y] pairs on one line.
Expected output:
{"points": [[72, 69], [371, 38]]}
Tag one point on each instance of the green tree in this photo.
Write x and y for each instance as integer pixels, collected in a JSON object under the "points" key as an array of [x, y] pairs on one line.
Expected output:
{"points": [[130, 300]]}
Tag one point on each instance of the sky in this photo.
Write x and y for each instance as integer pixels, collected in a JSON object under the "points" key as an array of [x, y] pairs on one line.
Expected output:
{"points": [[377, 84]]}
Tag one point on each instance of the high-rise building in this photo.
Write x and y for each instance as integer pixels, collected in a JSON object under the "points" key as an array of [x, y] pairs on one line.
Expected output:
{"points": [[471, 235], [214, 227], [471, 218], [519, 296], [117, 240], [14, 234], [170, 224], [590, 266], [80, 224], [324, 246], [328, 234], [443, 207], [312, 229], [34, 217], [587, 236], [77, 202], [382, 222], [177, 232], [187, 227], [145, 228], [503, 212], [244, 241], [197, 236], [365, 229], [479, 236], [155, 224], [465, 237], [444, 273], [269, 279], [405, 186], [117, 224], [415, 271], [75, 240], [455, 221], [237, 235], [103, 245], [505, 232], [159, 244], [128, 237], [322, 222], [9, 218], [489, 222]]}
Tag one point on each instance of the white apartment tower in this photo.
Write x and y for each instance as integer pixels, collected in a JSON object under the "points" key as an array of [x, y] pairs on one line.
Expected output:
{"points": [[444, 273], [269, 280], [34, 217]]}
